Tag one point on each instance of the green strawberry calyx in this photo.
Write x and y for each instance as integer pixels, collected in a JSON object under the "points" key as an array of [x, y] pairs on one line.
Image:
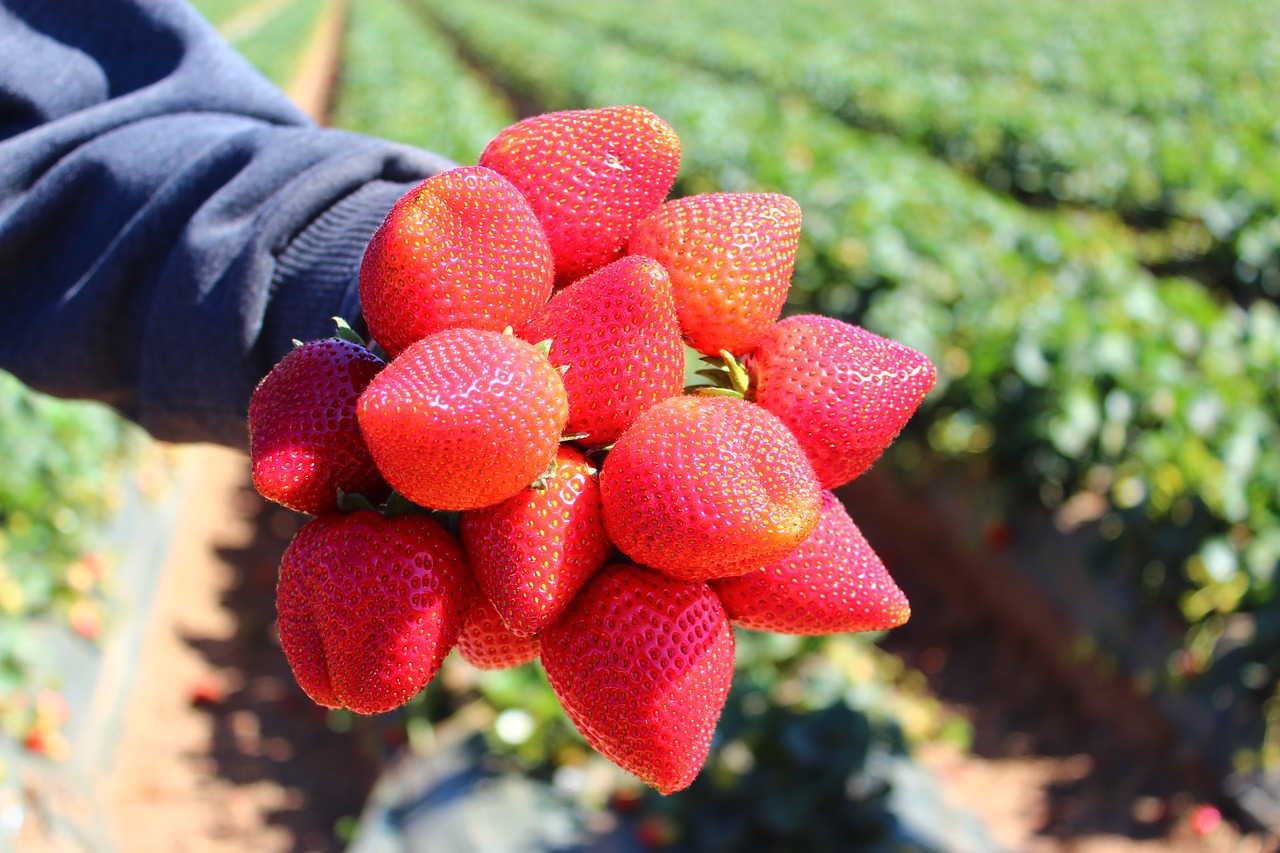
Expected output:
{"points": [[346, 333], [726, 374], [354, 502], [544, 479]]}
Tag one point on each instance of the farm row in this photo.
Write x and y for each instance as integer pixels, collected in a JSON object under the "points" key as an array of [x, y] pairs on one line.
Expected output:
{"points": [[1065, 365], [1156, 114], [1073, 373]]}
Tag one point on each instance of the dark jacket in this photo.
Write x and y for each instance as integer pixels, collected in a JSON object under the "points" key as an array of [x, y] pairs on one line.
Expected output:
{"points": [[169, 221]]}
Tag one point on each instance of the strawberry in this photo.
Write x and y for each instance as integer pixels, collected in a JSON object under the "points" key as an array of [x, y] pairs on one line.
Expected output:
{"points": [[304, 441], [641, 663], [369, 606], [485, 642], [464, 418], [590, 176], [704, 487], [832, 583], [463, 248], [845, 392], [617, 332], [730, 256], [534, 551], [299, 635]]}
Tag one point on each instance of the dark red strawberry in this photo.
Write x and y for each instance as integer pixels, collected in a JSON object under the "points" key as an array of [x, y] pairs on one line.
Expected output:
{"points": [[534, 551], [485, 642], [464, 418], [831, 584], [304, 441], [730, 256], [299, 632], [617, 332], [705, 487], [590, 176], [845, 392], [642, 663], [369, 606], [461, 249]]}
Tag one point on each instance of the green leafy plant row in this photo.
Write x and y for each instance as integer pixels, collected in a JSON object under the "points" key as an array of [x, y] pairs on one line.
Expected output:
{"points": [[221, 12], [276, 46], [402, 80], [1159, 112], [1063, 363], [60, 482], [271, 34]]}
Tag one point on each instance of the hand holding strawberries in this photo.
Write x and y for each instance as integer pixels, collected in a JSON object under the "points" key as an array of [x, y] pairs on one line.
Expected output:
{"points": [[536, 309]]}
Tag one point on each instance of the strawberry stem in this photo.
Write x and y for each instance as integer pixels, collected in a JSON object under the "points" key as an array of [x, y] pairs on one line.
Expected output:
{"points": [[726, 375], [354, 502], [398, 504], [738, 378], [712, 391], [540, 484], [597, 455], [346, 333]]}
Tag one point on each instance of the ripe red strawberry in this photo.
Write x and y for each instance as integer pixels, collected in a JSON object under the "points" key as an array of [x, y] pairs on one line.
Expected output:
{"points": [[299, 635], [464, 418], [485, 642], [845, 392], [304, 441], [369, 606], [590, 176], [534, 551], [463, 248], [642, 663], [831, 584], [617, 332], [705, 487], [730, 256]]}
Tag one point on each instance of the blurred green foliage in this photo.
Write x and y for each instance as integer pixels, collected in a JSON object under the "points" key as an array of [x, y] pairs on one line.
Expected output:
{"points": [[401, 80], [1007, 192], [1065, 364], [799, 760], [60, 482], [221, 12], [1155, 111], [275, 45]]}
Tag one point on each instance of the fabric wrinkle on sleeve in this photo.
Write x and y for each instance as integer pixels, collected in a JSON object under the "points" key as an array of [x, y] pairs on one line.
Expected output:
{"points": [[169, 222]]}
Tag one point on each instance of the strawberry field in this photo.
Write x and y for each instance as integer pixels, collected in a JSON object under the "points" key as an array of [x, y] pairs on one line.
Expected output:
{"points": [[1073, 210], [1083, 252]]}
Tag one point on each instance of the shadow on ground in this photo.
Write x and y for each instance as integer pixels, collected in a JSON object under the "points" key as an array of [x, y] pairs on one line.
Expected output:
{"points": [[264, 726]]}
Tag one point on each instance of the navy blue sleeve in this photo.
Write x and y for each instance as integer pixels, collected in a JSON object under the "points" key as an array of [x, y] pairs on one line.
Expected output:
{"points": [[169, 221]]}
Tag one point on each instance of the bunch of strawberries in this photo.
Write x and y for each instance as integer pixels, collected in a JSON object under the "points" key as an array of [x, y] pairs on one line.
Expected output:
{"points": [[517, 469]]}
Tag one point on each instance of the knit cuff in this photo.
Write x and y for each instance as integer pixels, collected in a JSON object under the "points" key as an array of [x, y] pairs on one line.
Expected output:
{"points": [[317, 276]]}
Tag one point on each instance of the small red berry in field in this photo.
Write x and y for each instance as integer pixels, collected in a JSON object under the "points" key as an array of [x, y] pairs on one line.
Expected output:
{"points": [[705, 487], [464, 418], [845, 392], [590, 175], [463, 248], [206, 691], [1205, 820], [656, 833], [304, 442], [642, 663], [730, 256], [616, 331], [832, 583], [534, 551]]}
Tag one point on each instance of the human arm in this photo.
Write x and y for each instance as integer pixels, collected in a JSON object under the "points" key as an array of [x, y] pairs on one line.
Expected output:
{"points": [[169, 222]]}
